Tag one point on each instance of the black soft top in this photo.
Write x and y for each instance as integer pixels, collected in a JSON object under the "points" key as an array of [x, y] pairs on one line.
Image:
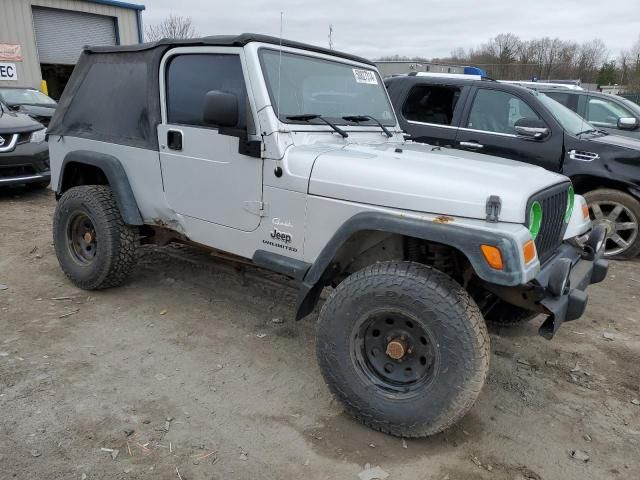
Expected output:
{"points": [[112, 95], [224, 41]]}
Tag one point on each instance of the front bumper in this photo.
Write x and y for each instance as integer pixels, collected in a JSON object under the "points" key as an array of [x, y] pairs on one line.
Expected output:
{"points": [[559, 289], [26, 163]]}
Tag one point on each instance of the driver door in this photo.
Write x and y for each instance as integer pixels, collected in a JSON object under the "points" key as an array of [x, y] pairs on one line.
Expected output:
{"points": [[204, 173], [488, 127]]}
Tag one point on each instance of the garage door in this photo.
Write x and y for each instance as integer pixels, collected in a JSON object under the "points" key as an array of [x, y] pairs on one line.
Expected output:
{"points": [[61, 34]]}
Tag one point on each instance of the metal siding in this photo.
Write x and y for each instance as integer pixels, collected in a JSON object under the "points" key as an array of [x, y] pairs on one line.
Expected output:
{"points": [[16, 26]]}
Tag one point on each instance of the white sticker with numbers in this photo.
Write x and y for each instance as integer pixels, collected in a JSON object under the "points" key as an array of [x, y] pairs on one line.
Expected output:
{"points": [[365, 76]]}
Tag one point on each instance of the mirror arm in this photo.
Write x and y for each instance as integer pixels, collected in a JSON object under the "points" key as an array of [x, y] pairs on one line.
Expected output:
{"points": [[251, 148]]}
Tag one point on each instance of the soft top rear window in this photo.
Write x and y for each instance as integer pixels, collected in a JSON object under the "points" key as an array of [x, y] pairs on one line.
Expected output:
{"points": [[111, 104]]}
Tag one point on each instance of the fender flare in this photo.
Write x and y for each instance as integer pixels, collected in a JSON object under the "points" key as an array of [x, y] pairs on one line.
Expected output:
{"points": [[116, 176], [466, 240]]}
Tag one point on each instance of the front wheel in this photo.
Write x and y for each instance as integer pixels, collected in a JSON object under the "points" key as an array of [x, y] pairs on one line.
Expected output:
{"points": [[404, 348], [619, 212], [95, 248]]}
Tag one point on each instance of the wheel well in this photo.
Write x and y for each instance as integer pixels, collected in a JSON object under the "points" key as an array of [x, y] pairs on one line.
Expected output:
{"points": [[76, 173], [367, 247], [587, 183]]}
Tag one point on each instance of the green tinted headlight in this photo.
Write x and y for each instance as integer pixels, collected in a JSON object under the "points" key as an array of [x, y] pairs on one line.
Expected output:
{"points": [[570, 202], [535, 219]]}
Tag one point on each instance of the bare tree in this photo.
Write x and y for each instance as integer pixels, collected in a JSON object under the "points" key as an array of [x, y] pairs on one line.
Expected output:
{"points": [[174, 26]]}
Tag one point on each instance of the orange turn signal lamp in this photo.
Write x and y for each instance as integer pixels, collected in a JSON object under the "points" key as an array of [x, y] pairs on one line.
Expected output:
{"points": [[585, 211], [493, 255]]}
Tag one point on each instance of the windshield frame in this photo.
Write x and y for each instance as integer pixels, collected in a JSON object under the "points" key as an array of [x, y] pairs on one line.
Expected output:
{"points": [[4, 90], [370, 125]]}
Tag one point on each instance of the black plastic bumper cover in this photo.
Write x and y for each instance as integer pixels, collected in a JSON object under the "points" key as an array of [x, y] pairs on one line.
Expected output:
{"points": [[586, 268]]}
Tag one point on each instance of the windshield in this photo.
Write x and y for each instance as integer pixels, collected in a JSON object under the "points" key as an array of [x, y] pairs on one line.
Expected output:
{"points": [[25, 96], [331, 89], [570, 121]]}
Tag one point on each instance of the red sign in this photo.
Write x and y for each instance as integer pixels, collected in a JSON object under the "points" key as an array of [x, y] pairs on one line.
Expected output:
{"points": [[10, 52]]}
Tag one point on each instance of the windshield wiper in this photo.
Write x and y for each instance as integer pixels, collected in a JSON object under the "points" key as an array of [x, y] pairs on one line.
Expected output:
{"points": [[312, 116], [364, 118]]}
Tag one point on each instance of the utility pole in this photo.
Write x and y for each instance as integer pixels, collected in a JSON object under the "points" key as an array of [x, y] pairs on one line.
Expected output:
{"points": [[330, 36]]}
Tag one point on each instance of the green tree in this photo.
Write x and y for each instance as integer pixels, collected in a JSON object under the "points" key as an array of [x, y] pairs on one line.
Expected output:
{"points": [[607, 74]]}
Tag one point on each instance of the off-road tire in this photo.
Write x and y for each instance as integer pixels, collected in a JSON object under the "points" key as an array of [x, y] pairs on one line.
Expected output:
{"points": [[117, 242], [629, 202], [506, 315], [447, 314]]}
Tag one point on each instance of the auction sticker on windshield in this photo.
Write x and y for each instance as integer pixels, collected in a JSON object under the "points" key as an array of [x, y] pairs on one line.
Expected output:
{"points": [[365, 76]]}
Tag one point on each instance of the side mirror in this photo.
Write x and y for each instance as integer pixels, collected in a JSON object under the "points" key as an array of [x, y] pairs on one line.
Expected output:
{"points": [[531, 129], [220, 109], [628, 123]]}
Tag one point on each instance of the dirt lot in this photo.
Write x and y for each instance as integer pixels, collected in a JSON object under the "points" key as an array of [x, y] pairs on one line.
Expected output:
{"points": [[193, 339]]}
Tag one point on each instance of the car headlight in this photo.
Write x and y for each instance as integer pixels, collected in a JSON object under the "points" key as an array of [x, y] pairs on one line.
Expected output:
{"points": [[535, 219], [38, 136], [570, 203]]}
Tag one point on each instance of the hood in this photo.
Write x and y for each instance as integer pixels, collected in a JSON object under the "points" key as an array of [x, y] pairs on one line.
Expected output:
{"points": [[428, 179], [15, 122], [38, 110], [618, 141]]}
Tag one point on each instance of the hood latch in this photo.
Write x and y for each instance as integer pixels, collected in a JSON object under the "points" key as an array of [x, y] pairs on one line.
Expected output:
{"points": [[494, 205]]}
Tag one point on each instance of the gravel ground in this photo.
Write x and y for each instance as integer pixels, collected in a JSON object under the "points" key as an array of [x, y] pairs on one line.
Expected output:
{"points": [[196, 370]]}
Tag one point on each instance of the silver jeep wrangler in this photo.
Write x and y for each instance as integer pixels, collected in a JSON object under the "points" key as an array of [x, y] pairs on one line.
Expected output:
{"points": [[290, 156]]}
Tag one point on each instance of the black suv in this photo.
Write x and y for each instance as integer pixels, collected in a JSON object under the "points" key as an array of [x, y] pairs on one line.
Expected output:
{"points": [[612, 113], [24, 153], [510, 121]]}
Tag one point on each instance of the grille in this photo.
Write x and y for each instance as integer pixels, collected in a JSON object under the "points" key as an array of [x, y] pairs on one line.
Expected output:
{"points": [[554, 207], [18, 171]]}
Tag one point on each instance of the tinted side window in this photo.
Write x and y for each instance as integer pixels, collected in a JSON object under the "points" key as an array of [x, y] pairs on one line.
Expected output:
{"points": [[605, 112], [190, 77], [567, 99], [495, 111], [431, 104]]}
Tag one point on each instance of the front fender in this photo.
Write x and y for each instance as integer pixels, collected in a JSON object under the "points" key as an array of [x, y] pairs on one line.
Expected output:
{"points": [[466, 240]]}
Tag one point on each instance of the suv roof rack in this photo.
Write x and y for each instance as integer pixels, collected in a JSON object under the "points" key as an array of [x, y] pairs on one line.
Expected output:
{"points": [[534, 85], [460, 76]]}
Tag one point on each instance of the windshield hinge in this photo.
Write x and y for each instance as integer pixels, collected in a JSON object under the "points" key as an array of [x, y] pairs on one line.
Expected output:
{"points": [[494, 205], [256, 207]]}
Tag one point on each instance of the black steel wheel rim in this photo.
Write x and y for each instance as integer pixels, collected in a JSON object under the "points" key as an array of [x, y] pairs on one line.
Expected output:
{"points": [[394, 351], [81, 238]]}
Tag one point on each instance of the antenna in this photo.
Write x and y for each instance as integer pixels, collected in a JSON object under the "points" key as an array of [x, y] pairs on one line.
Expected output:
{"points": [[280, 65], [331, 36]]}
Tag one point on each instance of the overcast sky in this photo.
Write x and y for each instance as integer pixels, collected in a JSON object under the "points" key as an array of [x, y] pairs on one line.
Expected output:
{"points": [[428, 28]]}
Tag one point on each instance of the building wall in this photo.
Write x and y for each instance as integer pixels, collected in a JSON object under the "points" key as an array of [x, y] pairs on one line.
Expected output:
{"points": [[16, 27]]}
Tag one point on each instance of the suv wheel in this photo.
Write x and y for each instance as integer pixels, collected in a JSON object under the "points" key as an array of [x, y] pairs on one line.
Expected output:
{"points": [[94, 246], [404, 347], [619, 212]]}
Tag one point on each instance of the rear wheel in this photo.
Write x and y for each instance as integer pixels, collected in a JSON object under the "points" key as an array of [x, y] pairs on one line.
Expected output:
{"points": [[94, 246], [619, 212], [404, 348]]}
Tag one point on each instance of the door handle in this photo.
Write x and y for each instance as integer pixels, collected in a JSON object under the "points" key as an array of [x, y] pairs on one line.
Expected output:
{"points": [[174, 140], [472, 145]]}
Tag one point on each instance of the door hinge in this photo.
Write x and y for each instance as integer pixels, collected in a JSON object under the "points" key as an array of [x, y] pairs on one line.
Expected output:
{"points": [[256, 207]]}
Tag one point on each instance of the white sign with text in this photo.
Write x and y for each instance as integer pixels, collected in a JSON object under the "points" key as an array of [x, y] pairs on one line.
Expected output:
{"points": [[8, 71]]}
